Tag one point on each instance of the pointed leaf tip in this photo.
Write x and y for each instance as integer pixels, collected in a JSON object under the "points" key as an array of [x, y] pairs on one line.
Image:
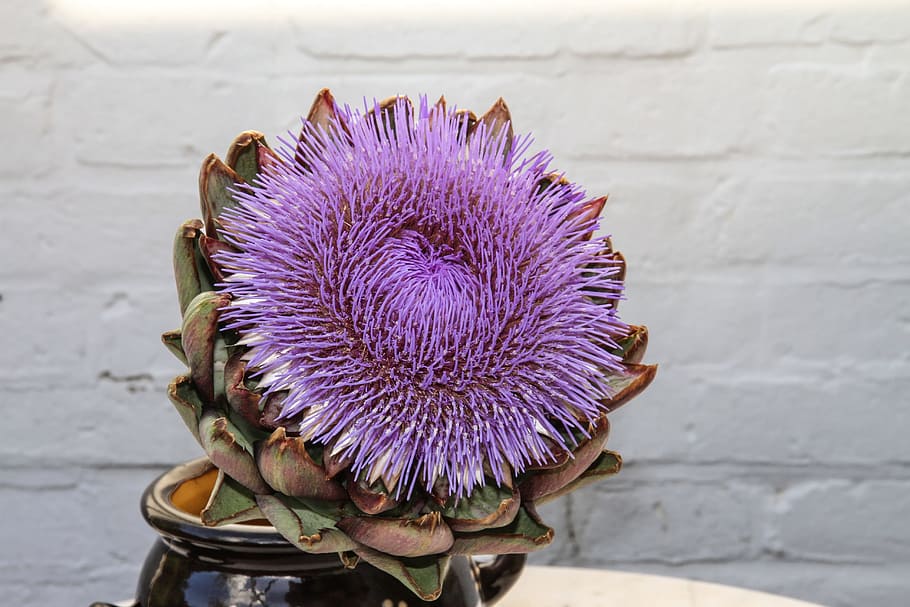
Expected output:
{"points": [[607, 464], [190, 270], [215, 179], [198, 337], [467, 120], [526, 533], [230, 502], [498, 124], [629, 384], [587, 214], [423, 576], [426, 534], [186, 400], [243, 155], [632, 348], [287, 467], [241, 399], [303, 525], [370, 498], [323, 120], [323, 111], [230, 451], [545, 482], [172, 341]]}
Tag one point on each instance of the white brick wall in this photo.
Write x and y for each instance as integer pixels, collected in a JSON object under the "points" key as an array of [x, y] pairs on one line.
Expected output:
{"points": [[757, 158]]}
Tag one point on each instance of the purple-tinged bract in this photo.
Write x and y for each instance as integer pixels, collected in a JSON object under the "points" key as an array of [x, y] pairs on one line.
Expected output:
{"points": [[419, 301]]}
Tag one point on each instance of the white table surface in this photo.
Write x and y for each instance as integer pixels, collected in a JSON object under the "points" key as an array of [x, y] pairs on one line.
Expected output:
{"points": [[574, 587]]}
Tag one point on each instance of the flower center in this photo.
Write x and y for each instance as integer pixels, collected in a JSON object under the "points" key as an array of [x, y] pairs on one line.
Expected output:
{"points": [[424, 293], [432, 266]]}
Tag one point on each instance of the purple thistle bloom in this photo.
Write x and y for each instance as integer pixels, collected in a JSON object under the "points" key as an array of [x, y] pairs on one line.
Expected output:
{"points": [[421, 304]]}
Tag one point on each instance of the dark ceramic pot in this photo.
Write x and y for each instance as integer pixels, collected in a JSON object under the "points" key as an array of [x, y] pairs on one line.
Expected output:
{"points": [[192, 565]]}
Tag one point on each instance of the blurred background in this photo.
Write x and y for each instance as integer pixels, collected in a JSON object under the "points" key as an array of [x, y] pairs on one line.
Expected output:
{"points": [[757, 157]]}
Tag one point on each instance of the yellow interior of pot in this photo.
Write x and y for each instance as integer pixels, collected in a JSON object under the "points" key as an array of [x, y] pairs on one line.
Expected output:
{"points": [[192, 495]]}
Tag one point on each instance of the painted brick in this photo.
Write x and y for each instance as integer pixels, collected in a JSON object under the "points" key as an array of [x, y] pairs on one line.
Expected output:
{"points": [[701, 338], [125, 232], [50, 337], [666, 522], [824, 221], [118, 422], [624, 29], [801, 119], [410, 38], [72, 340], [682, 111], [636, 29], [203, 113], [889, 24], [799, 417], [840, 324], [32, 37], [25, 102], [664, 224], [742, 25], [173, 120], [95, 549], [811, 517]]}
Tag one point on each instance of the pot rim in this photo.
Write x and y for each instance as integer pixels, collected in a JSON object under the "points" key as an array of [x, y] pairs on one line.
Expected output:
{"points": [[160, 513]]}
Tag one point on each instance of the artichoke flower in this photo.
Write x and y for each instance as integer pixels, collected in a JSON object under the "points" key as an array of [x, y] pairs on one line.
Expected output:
{"points": [[401, 335]]}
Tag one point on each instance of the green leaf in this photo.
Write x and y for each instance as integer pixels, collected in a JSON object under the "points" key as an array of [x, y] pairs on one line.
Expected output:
{"points": [[334, 462], [208, 248], [287, 466], [371, 498], [497, 122], [553, 180], [190, 269], [423, 576], [608, 259], [230, 451], [408, 537], [544, 482], [215, 179], [628, 384], [243, 401], [632, 347], [199, 337], [172, 340], [183, 395], [608, 464], [587, 214], [322, 114], [487, 506], [230, 502], [309, 528], [243, 155], [526, 533]]}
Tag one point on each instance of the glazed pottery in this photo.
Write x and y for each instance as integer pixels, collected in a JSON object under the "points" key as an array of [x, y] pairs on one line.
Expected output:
{"points": [[250, 564]]}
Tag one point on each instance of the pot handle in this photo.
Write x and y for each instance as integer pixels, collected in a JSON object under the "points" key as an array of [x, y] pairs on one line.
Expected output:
{"points": [[496, 577]]}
